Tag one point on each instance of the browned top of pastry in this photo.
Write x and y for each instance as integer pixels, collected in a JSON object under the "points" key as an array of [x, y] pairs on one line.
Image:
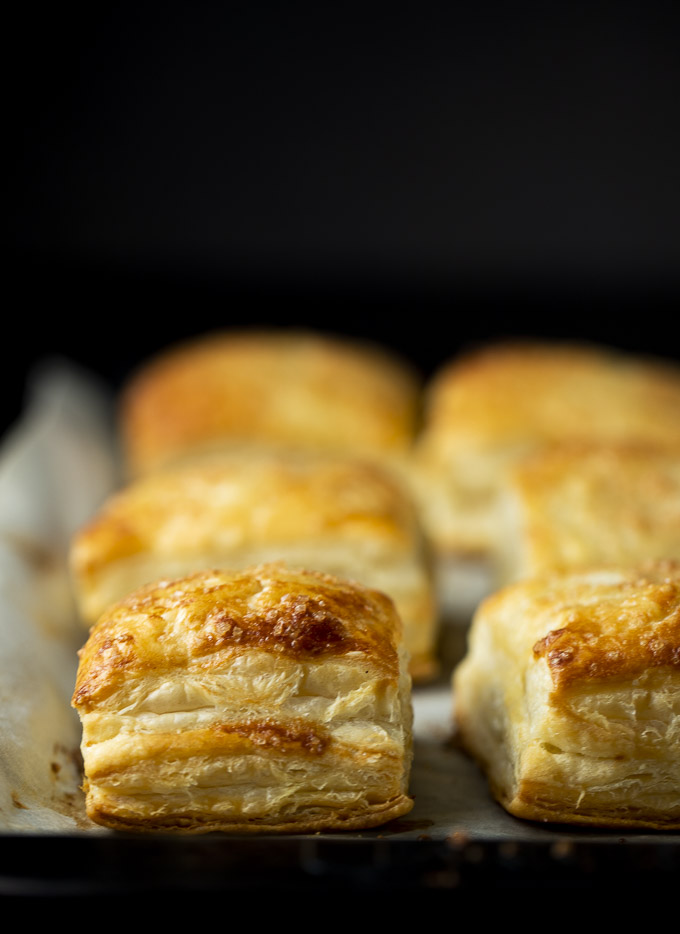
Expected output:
{"points": [[598, 624], [593, 503], [243, 501], [274, 387], [542, 391], [196, 622]]}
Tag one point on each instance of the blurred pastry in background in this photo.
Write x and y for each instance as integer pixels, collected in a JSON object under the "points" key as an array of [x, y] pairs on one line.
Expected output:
{"points": [[282, 388], [490, 407], [265, 700], [337, 514], [569, 696], [571, 505]]}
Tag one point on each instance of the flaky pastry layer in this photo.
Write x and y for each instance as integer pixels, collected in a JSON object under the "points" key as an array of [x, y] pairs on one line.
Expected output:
{"points": [[264, 700], [489, 408], [569, 696]]}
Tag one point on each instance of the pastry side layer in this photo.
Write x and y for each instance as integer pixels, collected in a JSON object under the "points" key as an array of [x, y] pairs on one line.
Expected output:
{"points": [[262, 700], [569, 696]]}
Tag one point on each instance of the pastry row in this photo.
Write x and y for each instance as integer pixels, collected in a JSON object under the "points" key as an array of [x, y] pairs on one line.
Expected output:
{"points": [[250, 455], [458, 442]]}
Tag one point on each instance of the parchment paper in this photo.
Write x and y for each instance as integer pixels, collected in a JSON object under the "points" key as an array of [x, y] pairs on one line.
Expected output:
{"points": [[56, 466]]}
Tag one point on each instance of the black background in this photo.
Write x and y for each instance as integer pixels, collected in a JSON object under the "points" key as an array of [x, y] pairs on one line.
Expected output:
{"points": [[427, 176]]}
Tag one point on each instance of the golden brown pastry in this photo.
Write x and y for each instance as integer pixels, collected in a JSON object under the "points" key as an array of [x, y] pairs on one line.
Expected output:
{"points": [[269, 387], [263, 700], [571, 505], [490, 407], [335, 514], [569, 696]]}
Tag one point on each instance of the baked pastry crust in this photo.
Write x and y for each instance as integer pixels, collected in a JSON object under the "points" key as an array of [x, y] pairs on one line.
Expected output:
{"points": [[268, 387], [572, 505], [490, 407], [265, 700], [344, 516], [569, 696]]}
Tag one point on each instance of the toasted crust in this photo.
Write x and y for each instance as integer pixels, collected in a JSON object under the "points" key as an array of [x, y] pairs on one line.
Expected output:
{"points": [[571, 505], [248, 501], [337, 514], [489, 408], [570, 696], [208, 615], [270, 700], [535, 390], [287, 388]]}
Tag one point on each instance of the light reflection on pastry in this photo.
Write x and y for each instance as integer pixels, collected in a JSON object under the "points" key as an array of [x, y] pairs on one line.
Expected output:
{"points": [[282, 388], [334, 514], [569, 696], [267, 700]]}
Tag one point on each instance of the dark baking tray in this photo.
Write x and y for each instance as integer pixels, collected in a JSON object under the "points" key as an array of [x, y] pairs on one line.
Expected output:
{"points": [[68, 866]]}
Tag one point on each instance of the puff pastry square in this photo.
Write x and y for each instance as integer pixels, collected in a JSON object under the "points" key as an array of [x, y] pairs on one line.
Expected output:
{"points": [[263, 700], [571, 505], [569, 696], [488, 408], [340, 515], [269, 387]]}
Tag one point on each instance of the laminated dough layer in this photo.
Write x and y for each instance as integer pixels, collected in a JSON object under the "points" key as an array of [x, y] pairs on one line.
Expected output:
{"points": [[490, 407], [569, 696], [264, 700]]}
